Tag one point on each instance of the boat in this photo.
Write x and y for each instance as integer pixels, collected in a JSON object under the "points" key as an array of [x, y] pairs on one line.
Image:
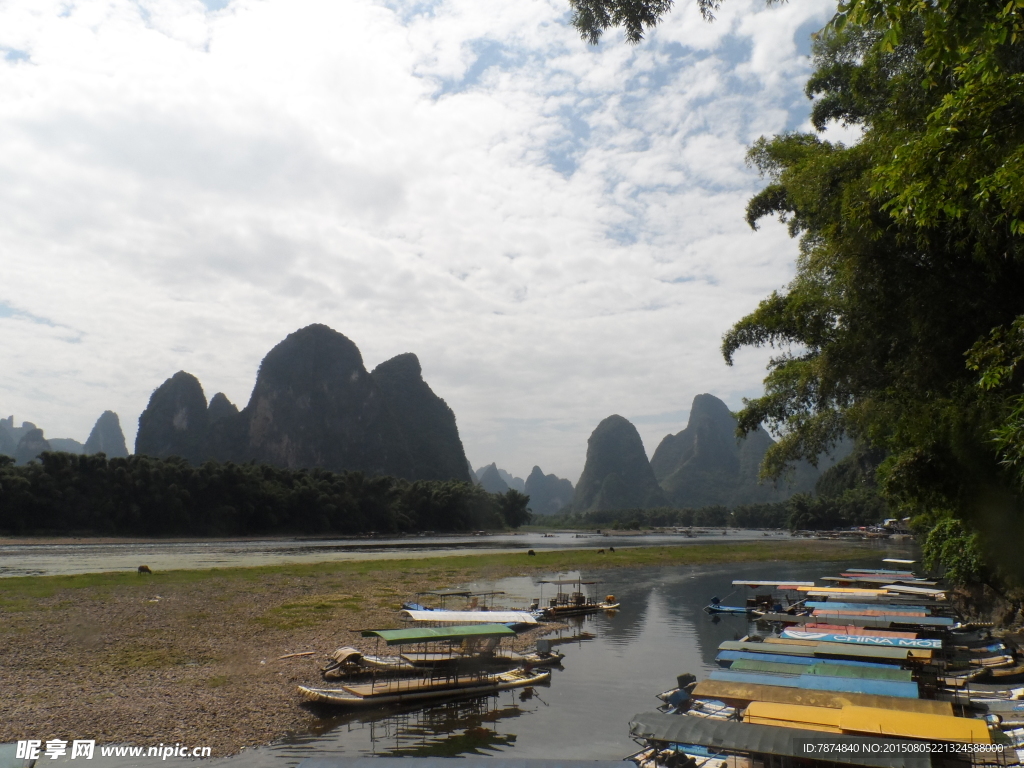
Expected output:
{"points": [[891, 723], [401, 691], [352, 664], [574, 603], [715, 606], [726, 658], [437, 616], [741, 694], [451, 662], [809, 682], [761, 744], [824, 668]]}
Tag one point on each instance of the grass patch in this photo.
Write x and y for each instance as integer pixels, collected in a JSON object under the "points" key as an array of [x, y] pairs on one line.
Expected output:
{"points": [[147, 658], [17, 589], [308, 613], [216, 681]]}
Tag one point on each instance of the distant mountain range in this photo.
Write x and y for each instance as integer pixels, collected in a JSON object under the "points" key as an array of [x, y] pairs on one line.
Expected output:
{"points": [[548, 493], [26, 442], [314, 405], [703, 465]]}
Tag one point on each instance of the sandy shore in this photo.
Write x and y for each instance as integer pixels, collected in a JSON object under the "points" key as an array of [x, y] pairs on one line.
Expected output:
{"points": [[193, 656]]}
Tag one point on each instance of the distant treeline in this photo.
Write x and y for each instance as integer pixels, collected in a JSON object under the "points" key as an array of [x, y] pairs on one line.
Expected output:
{"points": [[854, 507], [143, 496]]}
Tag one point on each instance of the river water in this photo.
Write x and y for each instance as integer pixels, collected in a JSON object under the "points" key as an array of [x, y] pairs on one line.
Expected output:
{"points": [[86, 556]]}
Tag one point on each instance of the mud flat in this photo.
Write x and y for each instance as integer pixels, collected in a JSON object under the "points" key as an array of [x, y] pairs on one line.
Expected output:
{"points": [[194, 656]]}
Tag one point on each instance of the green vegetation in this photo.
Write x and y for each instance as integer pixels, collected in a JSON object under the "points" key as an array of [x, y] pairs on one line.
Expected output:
{"points": [[430, 571], [143, 496], [904, 325]]}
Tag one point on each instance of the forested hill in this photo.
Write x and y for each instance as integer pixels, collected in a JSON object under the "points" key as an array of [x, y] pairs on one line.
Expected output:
{"points": [[143, 496]]}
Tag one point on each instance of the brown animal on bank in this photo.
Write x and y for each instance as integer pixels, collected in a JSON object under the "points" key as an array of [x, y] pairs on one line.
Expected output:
{"points": [[600, 551], [531, 553], [144, 569]]}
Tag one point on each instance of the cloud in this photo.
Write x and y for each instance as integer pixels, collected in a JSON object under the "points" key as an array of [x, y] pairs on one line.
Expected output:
{"points": [[556, 230]]}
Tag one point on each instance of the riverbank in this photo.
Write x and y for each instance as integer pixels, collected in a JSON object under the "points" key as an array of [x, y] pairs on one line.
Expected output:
{"points": [[194, 656]]}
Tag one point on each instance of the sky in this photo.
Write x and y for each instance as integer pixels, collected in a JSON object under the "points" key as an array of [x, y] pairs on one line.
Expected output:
{"points": [[555, 229]]}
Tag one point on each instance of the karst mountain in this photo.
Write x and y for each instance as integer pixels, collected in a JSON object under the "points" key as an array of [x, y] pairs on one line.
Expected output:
{"points": [[314, 405]]}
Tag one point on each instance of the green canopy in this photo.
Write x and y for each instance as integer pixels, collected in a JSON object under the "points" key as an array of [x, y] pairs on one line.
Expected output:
{"points": [[437, 634]]}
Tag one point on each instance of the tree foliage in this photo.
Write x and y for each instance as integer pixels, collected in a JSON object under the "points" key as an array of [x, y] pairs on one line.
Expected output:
{"points": [[143, 496], [904, 325]]}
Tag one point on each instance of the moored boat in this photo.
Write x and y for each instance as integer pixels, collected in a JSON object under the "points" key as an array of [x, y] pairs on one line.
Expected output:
{"points": [[420, 689]]}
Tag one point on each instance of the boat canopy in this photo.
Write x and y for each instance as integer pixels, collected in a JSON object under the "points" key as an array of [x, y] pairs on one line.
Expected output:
{"points": [[894, 607], [819, 649], [741, 694], [824, 669], [911, 590], [447, 593], [777, 584], [896, 561], [888, 642], [883, 618], [731, 656], [565, 582], [727, 735], [878, 570], [437, 634], [902, 690], [472, 617], [869, 720], [879, 579], [844, 590]]}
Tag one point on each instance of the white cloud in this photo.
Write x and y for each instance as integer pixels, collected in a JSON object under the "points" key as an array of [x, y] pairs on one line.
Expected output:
{"points": [[556, 230]]}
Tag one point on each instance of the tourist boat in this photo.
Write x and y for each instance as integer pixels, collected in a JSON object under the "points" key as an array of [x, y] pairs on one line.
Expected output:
{"points": [[575, 602], [444, 595], [737, 744], [513, 619], [405, 690], [479, 650], [449, 667]]}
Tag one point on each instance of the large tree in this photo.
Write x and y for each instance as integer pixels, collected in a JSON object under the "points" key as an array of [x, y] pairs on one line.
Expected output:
{"points": [[904, 325]]}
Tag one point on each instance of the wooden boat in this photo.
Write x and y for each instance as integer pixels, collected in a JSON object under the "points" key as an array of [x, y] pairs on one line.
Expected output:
{"points": [[574, 603], [449, 667], [421, 689]]}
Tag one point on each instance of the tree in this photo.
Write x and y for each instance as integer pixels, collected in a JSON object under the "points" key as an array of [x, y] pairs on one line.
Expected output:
{"points": [[513, 507], [904, 325]]}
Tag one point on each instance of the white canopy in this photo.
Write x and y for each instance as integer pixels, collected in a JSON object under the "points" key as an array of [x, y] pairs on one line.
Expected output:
{"points": [[898, 562], [472, 617], [913, 590]]}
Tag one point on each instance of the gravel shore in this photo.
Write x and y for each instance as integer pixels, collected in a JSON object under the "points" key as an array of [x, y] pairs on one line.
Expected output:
{"points": [[196, 662]]}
